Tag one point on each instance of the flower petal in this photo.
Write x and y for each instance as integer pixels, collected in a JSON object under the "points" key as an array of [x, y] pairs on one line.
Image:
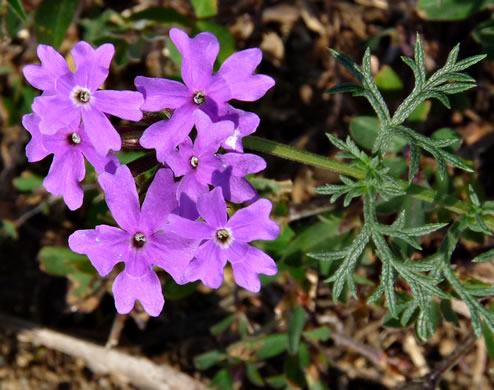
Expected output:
{"points": [[207, 266], [160, 201], [231, 178], [219, 91], [55, 112], [101, 132], [121, 197], [237, 251], [172, 253], [235, 189], [209, 164], [65, 84], [253, 223], [161, 93], [246, 273], [179, 160], [245, 123], [212, 208], [210, 135], [105, 54], [186, 207], [198, 56], [122, 104], [105, 246], [191, 187], [92, 65], [108, 163], [136, 263], [52, 59], [83, 52], [44, 76], [188, 229], [35, 150], [146, 288], [237, 71], [66, 173], [242, 63], [39, 77], [165, 135], [243, 163], [59, 144]]}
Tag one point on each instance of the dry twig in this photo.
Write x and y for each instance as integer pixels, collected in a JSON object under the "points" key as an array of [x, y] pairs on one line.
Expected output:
{"points": [[139, 371]]}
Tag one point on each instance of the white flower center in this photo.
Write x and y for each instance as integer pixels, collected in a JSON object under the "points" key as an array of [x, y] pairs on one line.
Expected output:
{"points": [[194, 161], [223, 237], [80, 96], [138, 240], [199, 98], [75, 138]]}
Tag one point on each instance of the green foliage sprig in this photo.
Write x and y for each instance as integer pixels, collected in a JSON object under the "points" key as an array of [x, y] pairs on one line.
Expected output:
{"points": [[378, 182], [448, 80], [431, 279]]}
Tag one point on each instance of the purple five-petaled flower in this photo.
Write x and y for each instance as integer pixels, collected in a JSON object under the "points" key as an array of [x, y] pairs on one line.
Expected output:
{"points": [[227, 240], [71, 96], [69, 146], [200, 166], [203, 89], [139, 243]]}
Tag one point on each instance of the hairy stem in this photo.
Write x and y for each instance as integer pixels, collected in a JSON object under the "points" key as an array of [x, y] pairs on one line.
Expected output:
{"points": [[290, 153]]}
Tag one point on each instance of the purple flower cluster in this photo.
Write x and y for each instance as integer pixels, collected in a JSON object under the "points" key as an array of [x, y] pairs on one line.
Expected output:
{"points": [[182, 225], [70, 120]]}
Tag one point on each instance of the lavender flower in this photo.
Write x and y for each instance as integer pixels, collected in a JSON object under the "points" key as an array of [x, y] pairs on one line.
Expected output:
{"points": [[227, 240], [200, 166], [69, 145], [197, 162], [139, 243], [72, 95], [203, 90]]}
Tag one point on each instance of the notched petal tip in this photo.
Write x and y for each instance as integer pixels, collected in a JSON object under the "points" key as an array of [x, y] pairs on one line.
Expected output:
{"points": [[203, 39], [106, 53], [246, 273], [147, 289]]}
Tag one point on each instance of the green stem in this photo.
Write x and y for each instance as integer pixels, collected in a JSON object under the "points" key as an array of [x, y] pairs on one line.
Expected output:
{"points": [[290, 153]]}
